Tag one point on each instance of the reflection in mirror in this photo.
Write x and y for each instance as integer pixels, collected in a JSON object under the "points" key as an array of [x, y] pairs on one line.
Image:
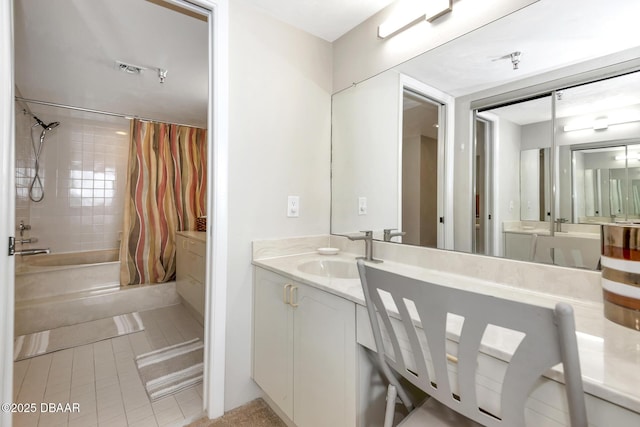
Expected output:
{"points": [[419, 170], [595, 124], [534, 189], [522, 140], [597, 192], [388, 137], [497, 194]]}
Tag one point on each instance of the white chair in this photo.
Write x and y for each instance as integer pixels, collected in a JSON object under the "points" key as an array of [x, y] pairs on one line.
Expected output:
{"points": [[549, 339]]}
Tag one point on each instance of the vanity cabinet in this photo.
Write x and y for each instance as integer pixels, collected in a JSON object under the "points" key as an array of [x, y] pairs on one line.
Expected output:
{"points": [[305, 351], [191, 270]]}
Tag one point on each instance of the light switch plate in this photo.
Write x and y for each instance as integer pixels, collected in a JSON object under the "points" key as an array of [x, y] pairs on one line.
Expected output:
{"points": [[293, 206], [362, 205]]}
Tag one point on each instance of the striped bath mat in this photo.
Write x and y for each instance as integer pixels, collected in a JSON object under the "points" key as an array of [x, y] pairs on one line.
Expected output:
{"points": [[26, 346], [171, 369]]}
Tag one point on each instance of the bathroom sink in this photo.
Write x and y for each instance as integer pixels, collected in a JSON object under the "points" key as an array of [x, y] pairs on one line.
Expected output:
{"points": [[331, 268]]}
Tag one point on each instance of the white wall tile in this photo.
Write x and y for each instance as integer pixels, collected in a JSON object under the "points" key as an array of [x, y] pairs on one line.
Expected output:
{"points": [[76, 159]]}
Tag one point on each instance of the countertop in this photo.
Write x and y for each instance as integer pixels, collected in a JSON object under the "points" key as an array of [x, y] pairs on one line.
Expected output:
{"points": [[197, 235], [609, 353]]}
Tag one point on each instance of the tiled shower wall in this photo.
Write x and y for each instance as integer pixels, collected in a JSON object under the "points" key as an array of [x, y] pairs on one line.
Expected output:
{"points": [[83, 170]]}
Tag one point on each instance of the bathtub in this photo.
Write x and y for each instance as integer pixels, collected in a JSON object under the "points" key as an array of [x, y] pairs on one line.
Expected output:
{"points": [[53, 290], [43, 276]]}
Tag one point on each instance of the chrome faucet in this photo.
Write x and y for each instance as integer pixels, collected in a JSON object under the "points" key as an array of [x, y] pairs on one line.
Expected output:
{"points": [[368, 246], [389, 234], [22, 227], [559, 222], [32, 252]]}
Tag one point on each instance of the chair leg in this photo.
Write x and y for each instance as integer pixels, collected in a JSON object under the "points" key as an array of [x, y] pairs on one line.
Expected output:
{"points": [[390, 410]]}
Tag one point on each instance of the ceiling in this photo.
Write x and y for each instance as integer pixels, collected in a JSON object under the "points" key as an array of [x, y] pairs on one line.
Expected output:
{"points": [[550, 34], [65, 50], [65, 53], [327, 19]]}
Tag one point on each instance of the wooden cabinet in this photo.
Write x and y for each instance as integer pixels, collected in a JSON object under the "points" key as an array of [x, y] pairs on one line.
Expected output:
{"points": [[191, 270], [305, 351]]}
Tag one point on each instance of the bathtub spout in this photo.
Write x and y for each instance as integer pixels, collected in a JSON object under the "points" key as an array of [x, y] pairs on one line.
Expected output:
{"points": [[33, 251]]}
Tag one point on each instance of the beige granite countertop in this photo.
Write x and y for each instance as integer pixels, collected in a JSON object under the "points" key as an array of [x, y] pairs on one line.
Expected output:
{"points": [[609, 353]]}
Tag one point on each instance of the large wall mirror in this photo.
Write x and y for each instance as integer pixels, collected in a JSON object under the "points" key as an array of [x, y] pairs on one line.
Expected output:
{"points": [[530, 176]]}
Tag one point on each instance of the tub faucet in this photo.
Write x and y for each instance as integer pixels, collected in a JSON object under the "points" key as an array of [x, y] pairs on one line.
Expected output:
{"points": [[368, 246], [389, 234], [32, 252]]}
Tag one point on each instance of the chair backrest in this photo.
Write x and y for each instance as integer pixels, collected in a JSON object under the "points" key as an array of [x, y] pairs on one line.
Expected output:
{"points": [[566, 251], [423, 308]]}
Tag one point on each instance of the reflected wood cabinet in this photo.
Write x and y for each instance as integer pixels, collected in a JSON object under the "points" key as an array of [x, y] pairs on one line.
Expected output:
{"points": [[305, 351], [191, 270]]}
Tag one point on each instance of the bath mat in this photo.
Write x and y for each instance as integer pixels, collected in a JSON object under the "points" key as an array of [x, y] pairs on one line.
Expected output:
{"points": [[36, 344], [171, 369]]}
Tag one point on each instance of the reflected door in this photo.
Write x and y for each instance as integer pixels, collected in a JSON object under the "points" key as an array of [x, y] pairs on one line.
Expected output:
{"points": [[420, 135]]}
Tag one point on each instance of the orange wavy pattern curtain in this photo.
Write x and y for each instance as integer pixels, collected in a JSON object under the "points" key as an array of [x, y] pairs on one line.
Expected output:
{"points": [[166, 192]]}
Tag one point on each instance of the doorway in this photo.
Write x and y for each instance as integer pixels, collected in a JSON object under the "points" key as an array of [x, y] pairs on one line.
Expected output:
{"points": [[216, 10], [483, 201], [420, 126]]}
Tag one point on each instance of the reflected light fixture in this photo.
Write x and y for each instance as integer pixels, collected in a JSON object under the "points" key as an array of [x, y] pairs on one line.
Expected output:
{"points": [[601, 123], [634, 156], [402, 20]]}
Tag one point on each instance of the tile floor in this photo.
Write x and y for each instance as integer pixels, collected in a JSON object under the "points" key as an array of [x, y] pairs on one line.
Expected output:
{"points": [[102, 378]]}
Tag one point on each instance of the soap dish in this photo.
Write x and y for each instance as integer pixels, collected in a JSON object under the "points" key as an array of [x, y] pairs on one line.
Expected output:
{"points": [[328, 251]]}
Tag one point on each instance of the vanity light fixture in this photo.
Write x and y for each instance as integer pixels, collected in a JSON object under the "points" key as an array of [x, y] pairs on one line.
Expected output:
{"points": [[400, 21], [129, 68]]}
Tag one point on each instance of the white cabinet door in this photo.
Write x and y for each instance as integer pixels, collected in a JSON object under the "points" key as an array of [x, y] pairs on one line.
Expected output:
{"points": [[273, 340], [324, 343], [305, 352]]}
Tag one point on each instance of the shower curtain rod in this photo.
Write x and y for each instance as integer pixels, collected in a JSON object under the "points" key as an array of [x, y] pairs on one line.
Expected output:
{"points": [[106, 113]]}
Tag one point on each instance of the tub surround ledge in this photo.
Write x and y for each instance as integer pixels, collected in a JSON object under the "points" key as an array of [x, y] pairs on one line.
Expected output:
{"points": [[609, 353]]}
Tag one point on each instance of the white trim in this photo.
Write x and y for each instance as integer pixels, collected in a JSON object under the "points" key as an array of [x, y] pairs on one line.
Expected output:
{"points": [[217, 208], [445, 151], [7, 201]]}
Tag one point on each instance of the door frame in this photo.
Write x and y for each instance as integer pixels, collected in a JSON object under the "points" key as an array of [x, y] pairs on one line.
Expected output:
{"points": [[217, 202], [445, 151]]}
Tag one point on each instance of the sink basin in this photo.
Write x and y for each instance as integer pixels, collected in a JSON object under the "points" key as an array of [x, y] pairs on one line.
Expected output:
{"points": [[331, 268]]}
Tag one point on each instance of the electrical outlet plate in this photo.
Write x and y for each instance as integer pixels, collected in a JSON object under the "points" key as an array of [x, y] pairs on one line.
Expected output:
{"points": [[293, 206]]}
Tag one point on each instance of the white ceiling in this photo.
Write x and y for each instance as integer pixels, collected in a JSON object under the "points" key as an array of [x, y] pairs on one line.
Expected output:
{"points": [[66, 49], [65, 53], [327, 19], [549, 34]]}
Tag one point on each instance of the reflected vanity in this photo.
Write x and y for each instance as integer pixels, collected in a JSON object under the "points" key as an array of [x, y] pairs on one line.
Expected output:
{"points": [[549, 161]]}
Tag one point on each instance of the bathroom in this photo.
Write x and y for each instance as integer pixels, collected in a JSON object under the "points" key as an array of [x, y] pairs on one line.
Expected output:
{"points": [[78, 119], [288, 158]]}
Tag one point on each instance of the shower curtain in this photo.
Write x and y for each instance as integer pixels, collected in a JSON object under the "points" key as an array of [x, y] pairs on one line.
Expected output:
{"points": [[165, 193]]}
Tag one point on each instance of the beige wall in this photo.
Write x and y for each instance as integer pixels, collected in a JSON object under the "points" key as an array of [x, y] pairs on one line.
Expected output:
{"points": [[279, 145], [360, 54]]}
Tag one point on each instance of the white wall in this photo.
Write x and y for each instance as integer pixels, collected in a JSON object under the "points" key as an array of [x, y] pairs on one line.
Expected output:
{"points": [[360, 54], [365, 133], [507, 174], [279, 145], [83, 167]]}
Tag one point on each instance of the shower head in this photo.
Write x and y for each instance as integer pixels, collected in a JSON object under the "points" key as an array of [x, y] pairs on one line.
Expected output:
{"points": [[50, 126]]}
